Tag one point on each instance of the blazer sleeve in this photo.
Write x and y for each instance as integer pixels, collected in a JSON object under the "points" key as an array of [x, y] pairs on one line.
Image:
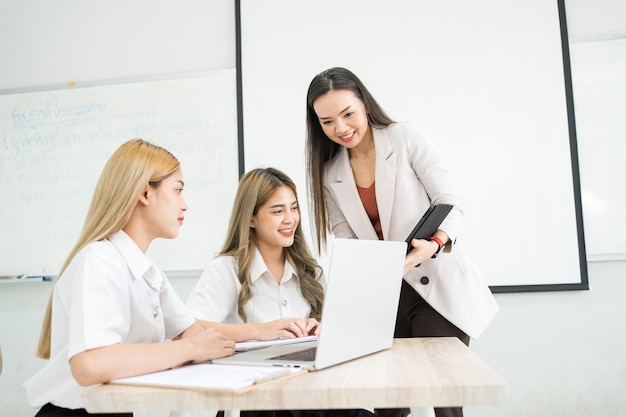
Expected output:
{"points": [[428, 165]]}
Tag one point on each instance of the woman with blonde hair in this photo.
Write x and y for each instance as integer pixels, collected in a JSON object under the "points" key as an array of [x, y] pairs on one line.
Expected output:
{"points": [[264, 283], [112, 312]]}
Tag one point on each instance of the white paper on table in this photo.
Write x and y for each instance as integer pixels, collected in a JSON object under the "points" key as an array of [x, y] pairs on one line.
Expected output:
{"points": [[210, 377]]}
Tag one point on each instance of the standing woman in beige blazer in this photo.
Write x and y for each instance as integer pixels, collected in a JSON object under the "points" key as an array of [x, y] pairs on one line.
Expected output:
{"points": [[372, 178]]}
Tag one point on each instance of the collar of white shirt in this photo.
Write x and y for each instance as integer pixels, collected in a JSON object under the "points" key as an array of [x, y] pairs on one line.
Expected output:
{"points": [[140, 265], [258, 268]]}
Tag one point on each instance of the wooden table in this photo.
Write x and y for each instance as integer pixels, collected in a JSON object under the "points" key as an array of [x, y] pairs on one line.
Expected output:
{"points": [[417, 372]]}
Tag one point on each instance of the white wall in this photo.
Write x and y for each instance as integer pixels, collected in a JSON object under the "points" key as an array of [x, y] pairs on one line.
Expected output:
{"points": [[561, 352], [45, 43]]}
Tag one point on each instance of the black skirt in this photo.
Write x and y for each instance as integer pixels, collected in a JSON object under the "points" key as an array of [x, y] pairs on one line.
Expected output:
{"points": [[51, 410]]}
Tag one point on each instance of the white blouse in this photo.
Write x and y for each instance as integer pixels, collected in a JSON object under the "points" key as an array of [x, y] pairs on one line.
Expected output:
{"points": [[110, 293], [214, 298]]}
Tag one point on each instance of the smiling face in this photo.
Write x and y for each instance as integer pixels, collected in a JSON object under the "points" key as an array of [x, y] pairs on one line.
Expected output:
{"points": [[343, 118], [167, 206], [275, 222]]}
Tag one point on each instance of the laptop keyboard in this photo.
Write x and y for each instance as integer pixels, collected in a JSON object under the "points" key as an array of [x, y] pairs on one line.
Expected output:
{"points": [[302, 355]]}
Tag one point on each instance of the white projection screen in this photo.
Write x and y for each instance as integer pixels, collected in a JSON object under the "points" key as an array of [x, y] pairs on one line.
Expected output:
{"points": [[489, 81]]}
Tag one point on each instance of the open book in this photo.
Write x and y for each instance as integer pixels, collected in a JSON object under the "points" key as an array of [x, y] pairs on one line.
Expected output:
{"points": [[211, 377]]}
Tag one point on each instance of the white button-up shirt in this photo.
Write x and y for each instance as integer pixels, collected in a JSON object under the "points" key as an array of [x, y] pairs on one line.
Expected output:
{"points": [[110, 293], [214, 298]]}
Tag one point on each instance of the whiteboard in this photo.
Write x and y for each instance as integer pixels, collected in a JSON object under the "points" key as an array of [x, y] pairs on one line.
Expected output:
{"points": [[485, 79], [54, 144], [599, 79]]}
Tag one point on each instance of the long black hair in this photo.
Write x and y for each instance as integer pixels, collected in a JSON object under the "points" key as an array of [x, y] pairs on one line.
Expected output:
{"points": [[320, 149]]}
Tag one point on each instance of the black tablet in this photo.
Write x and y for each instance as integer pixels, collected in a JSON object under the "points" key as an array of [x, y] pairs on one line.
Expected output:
{"points": [[429, 223]]}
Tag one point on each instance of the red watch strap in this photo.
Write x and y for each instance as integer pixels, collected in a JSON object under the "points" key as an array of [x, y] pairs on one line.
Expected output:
{"points": [[436, 240]]}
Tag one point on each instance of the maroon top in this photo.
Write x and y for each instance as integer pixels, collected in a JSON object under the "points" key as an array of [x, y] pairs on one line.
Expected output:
{"points": [[368, 198]]}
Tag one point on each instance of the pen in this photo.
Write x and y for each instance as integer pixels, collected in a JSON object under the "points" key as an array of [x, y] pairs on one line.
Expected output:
{"points": [[36, 277]]}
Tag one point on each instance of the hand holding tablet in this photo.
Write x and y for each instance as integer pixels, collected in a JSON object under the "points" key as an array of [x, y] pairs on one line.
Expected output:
{"points": [[429, 223]]}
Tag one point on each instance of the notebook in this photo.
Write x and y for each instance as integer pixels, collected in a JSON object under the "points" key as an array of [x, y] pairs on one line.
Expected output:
{"points": [[359, 313], [211, 377]]}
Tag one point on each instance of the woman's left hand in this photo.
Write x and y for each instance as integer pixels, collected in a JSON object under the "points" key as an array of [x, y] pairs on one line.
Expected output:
{"points": [[313, 327], [422, 250]]}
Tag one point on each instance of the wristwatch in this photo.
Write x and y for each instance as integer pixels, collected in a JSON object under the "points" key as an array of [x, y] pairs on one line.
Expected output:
{"points": [[438, 242]]}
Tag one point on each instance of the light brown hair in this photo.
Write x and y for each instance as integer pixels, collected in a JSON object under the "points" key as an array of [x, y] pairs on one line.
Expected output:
{"points": [[255, 188]]}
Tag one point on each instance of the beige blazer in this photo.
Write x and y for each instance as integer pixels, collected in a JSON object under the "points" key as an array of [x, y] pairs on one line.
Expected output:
{"points": [[409, 176]]}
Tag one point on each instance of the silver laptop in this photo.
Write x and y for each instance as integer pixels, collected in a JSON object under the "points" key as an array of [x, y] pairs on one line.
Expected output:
{"points": [[359, 314]]}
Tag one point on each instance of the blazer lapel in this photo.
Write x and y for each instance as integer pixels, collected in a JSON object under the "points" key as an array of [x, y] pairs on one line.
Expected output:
{"points": [[386, 163], [345, 191]]}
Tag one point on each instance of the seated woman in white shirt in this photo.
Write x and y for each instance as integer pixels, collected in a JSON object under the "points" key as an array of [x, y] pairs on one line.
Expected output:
{"points": [[112, 311], [264, 284]]}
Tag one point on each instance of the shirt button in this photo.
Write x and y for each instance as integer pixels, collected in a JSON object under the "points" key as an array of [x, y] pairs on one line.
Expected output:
{"points": [[424, 280], [284, 302], [155, 313]]}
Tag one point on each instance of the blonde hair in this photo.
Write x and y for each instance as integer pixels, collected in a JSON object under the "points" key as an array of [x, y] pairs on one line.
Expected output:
{"points": [[255, 188], [132, 166]]}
